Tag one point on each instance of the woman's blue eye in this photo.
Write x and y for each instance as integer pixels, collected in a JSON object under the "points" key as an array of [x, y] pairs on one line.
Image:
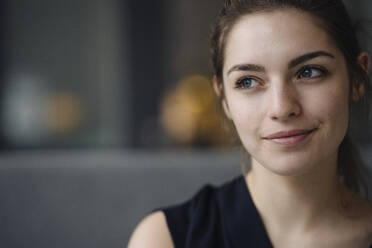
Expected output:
{"points": [[247, 83], [311, 72]]}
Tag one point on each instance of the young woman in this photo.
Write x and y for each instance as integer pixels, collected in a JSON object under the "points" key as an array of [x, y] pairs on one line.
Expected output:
{"points": [[287, 73]]}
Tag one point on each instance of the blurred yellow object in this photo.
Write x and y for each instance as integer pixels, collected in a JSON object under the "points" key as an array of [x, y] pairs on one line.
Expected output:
{"points": [[65, 113], [190, 115]]}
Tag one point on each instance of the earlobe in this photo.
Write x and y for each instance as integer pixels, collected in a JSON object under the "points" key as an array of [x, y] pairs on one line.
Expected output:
{"points": [[364, 61], [218, 88], [359, 88]]}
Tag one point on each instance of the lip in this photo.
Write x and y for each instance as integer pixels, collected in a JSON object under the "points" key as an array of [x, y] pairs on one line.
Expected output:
{"points": [[290, 138]]}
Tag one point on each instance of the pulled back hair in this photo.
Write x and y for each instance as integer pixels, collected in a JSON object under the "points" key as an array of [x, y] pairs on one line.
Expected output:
{"points": [[336, 21]]}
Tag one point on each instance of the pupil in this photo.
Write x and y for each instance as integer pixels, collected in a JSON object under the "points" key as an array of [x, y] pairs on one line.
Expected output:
{"points": [[306, 73], [247, 83]]}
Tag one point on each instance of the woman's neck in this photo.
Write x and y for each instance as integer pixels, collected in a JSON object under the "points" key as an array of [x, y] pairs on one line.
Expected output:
{"points": [[295, 202]]}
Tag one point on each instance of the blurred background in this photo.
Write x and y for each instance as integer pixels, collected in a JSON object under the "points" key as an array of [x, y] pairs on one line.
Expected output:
{"points": [[104, 74], [106, 112]]}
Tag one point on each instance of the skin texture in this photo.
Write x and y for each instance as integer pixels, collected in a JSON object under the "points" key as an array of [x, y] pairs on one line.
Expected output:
{"points": [[266, 92], [283, 101], [152, 232], [294, 187]]}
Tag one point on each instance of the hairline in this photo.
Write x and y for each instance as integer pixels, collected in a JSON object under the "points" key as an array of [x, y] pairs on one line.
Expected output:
{"points": [[225, 34]]}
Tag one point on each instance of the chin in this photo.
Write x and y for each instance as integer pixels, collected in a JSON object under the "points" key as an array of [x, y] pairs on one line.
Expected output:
{"points": [[296, 170], [288, 166]]}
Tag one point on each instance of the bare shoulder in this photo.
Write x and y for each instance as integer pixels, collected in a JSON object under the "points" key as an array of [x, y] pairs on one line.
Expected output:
{"points": [[152, 232]]}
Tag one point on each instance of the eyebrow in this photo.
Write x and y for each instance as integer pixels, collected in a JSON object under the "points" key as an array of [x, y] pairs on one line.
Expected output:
{"points": [[246, 67], [291, 64], [308, 56]]}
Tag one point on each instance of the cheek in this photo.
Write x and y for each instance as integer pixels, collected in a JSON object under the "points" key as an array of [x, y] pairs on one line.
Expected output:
{"points": [[329, 104], [334, 100], [246, 113]]}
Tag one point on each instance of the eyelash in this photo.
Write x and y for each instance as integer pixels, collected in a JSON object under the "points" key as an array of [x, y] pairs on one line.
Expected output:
{"points": [[322, 70], [239, 82]]}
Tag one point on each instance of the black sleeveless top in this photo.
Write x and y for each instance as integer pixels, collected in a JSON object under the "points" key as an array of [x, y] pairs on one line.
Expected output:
{"points": [[218, 217]]}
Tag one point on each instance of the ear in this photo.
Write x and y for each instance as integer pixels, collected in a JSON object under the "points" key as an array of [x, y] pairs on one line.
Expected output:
{"points": [[364, 61], [218, 88], [359, 89]]}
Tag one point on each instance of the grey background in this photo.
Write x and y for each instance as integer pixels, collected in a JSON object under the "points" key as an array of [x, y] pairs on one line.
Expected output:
{"points": [[95, 199]]}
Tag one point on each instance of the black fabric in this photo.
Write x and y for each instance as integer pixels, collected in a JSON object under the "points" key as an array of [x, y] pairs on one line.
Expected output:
{"points": [[218, 217]]}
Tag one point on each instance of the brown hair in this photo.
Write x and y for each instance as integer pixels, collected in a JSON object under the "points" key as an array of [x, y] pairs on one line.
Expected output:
{"points": [[337, 23]]}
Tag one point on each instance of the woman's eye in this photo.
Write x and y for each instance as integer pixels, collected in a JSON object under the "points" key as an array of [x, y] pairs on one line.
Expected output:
{"points": [[311, 72], [247, 83]]}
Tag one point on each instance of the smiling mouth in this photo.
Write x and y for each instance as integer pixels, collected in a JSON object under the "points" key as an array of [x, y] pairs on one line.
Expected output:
{"points": [[289, 138]]}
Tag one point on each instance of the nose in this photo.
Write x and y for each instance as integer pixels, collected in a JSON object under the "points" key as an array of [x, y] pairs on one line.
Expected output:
{"points": [[285, 104]]}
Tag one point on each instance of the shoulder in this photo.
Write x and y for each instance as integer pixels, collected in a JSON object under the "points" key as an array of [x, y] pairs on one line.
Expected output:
{"points": [[195, 219], [152, 232], [158, 229], [182, 218]]}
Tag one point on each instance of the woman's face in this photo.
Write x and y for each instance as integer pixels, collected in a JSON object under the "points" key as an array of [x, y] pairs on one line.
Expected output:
{"points": [[286, 90]]}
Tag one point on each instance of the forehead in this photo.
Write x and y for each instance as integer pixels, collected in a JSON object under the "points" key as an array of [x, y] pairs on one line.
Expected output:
{"points": [[281, 34]]}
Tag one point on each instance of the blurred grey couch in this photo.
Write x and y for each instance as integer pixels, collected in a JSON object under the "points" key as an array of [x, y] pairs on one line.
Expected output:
{"points": [[95, 199]]}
